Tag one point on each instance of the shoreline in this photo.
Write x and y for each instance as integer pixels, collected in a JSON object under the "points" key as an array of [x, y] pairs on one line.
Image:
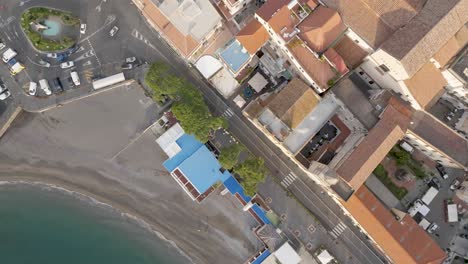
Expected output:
{"points": [[94, 200]]}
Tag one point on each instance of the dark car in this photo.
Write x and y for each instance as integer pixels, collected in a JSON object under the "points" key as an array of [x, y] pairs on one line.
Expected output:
{"points": [[441, 171], [70, 82], [435, 183], [57, 85]]}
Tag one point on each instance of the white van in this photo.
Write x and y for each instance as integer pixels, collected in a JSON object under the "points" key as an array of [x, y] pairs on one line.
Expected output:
{"points": [[75, 78], [45, 86], [404, 145], [8, 55]]}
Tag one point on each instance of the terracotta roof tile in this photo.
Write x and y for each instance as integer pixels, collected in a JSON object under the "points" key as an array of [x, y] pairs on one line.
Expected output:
{"points": [[321, 28], [351, 53], [440, 136], [403, 241], [294, 102], [336, 59], [371, 151], [320, 71], [186, 45], [427, 85], [269, 8], [284, 23], [447, 52], [253, 36], [415, 43]]}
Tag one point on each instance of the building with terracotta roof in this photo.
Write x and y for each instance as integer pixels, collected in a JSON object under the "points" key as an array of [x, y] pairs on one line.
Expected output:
{"points": [[185, 24], [303, 37], [402, 60], [402, 240], [253, 36]]}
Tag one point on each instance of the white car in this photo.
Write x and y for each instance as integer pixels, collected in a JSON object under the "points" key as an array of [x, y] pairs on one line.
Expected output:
{"points": [[52, 55], [2, 45], [83, 29], [130, 59], [32, 88], [44, 63], [5, 95], [113, 31], [66, 65]]}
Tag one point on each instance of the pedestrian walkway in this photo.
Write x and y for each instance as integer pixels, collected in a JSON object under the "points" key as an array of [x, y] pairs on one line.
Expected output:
{"points": [[338, 230], [228, 113], [288, 180]]}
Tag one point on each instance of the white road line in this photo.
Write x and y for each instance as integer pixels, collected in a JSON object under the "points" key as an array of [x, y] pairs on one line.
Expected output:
{"points": [[94, 52]]}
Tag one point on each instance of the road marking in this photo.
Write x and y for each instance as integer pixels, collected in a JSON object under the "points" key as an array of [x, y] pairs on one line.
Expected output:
{"points": [[94, 52], [142, 38], [109, 19], [288, 180], [228, 113], [339, 229], [87, 63]]}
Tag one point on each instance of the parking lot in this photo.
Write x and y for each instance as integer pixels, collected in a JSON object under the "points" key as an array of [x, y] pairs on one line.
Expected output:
{"points": [[97, 54]]}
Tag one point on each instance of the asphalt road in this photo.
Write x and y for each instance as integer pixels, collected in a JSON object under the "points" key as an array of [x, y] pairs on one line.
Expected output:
{"points": [[136, 38]]}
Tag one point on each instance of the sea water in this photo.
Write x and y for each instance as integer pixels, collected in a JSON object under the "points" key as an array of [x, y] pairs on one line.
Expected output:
{"points": [[40, 224]]}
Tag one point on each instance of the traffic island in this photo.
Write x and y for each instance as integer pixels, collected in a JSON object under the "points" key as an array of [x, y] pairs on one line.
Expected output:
{"points": [[50, 29]]}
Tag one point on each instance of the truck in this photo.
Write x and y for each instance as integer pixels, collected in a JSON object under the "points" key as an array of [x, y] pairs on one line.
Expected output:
{"points": [[452, 213], [8, 55], [104, 82], [429, 195]]}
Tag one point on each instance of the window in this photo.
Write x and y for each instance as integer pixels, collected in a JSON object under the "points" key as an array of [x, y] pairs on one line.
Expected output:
{"points": [[384, 68]]}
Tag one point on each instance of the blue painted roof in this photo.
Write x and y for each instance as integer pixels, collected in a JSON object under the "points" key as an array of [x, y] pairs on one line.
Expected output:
{"points": [[234, 187], [188, 145], [197, 163], [262, 257], [234, 56]]}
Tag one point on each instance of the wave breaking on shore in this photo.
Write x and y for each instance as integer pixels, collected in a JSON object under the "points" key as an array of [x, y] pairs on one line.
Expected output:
{"points": [[95, 202]]}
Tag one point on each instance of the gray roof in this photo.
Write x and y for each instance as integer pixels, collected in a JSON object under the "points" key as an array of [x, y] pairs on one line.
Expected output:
{"points": [[416, 42], [438, 135], [460, 65], [191, 17]]}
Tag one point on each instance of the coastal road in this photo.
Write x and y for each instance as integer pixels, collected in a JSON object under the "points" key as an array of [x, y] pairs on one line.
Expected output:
{"points": [[138, 39]]}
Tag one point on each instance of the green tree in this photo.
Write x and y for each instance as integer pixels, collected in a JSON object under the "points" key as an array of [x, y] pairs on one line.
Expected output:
{"points": [[229, 156], [252, 171]]}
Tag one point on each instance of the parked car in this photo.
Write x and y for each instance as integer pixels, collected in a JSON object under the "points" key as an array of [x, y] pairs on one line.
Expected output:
{"points": [[113, 31], [455, 184], [66, 65], [57, 85], [83, 29], [441, 171], [32, 88], [434, 183], [5, 95], [130, 59], [75, 78], [127, 66], [70, 82], [44, 63], [2, 45], [45, 86], [432, 228], [2, 87], [52, 55]]}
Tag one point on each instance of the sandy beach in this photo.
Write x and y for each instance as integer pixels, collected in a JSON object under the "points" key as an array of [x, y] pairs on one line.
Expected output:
{"points": [[73, 148]]}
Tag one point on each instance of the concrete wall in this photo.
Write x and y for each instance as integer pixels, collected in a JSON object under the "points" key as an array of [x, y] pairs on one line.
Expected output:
{"points": [[397, 71]]}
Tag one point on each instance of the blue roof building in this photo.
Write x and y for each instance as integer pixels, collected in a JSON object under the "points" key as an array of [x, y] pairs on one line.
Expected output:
{"points": [[191, 164]]}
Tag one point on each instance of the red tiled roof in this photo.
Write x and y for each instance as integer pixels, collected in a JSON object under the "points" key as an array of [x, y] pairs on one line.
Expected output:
{"points": [[321, 28], [269, 8], [284, 23], [253, 36], [186, 45], [319, 70], [336, 59], [403, 241]]}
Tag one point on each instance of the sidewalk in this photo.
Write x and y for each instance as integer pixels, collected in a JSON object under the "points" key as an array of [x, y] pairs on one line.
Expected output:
{"points": [[299, 225]]}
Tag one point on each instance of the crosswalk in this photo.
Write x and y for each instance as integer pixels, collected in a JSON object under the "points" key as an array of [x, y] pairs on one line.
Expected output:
{"points": [[135, 33], [228, 113], [290, 178], [338, 230]]}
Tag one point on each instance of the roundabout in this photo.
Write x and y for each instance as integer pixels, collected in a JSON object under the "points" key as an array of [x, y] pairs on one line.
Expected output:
{"points": [[50, 30]]}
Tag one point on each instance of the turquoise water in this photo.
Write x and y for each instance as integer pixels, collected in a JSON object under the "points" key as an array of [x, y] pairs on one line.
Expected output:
{"points": [[49, 226], [54, 28]]}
